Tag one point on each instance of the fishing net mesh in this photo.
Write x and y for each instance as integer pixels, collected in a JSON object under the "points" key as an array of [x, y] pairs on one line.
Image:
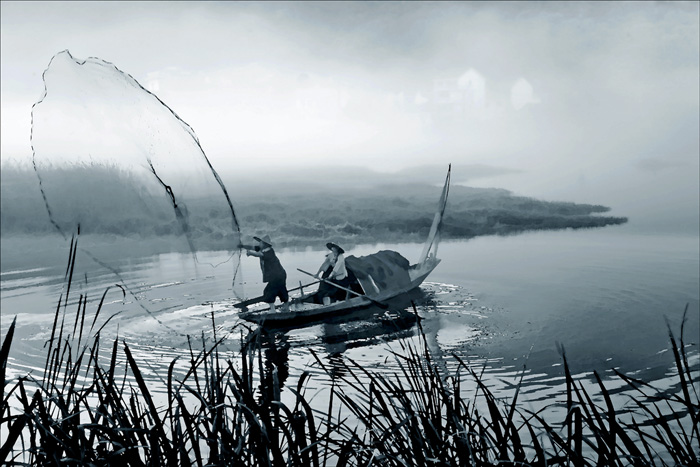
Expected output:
{"points": [[114, 159]]}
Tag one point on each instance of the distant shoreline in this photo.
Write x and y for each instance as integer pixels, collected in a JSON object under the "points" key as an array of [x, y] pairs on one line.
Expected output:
{"points": [[118, 220], [107, 202], [48, 249]]}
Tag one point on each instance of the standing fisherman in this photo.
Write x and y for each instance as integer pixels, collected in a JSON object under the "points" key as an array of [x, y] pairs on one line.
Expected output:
{"points": [[272, 271]]}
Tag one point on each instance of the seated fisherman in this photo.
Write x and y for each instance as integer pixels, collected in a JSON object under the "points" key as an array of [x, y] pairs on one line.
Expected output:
{"points": [[272, 270], [333, 269]]}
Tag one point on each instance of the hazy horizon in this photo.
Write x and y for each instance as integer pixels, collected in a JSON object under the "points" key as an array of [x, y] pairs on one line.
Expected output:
{"points": [[582, 102]]}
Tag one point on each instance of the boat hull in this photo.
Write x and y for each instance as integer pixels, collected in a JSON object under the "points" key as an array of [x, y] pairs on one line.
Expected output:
{"points": [[305, 313]]}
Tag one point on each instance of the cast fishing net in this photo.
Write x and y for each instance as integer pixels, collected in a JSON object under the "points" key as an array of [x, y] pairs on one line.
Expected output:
{"points": [[115, 161]]}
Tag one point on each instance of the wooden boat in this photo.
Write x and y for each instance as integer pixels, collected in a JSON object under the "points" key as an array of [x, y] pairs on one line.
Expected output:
{"points": [[382, 276]]}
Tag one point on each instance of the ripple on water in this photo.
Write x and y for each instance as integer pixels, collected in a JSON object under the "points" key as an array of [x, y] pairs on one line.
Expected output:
{"points": [[453, 320], [454, 336]]}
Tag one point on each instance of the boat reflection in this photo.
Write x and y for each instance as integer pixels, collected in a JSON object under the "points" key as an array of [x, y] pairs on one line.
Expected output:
{"points": [[361, 328], [384, 326]]}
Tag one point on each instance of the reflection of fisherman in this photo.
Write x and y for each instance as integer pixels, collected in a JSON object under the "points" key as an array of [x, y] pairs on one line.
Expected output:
{"points": [[276, 358], [333, 269], [276, 346], [273, 374], [272, 271]]}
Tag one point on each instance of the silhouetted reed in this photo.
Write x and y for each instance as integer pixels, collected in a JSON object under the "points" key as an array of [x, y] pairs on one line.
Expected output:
{"points": [[420, 416], [89, 410]]}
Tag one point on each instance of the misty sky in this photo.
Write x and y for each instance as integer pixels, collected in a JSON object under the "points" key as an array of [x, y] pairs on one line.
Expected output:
{"points": [[590, 102]]}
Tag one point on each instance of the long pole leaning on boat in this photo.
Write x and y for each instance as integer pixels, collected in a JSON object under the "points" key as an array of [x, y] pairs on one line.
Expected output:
{"points": [[379, 304], [259, 299]]}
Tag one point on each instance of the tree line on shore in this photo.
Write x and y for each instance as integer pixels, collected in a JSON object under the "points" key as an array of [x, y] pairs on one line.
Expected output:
{"points": [[107, 201]]}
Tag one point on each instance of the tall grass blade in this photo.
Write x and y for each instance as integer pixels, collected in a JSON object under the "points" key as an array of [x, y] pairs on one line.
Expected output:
{"points": [[170, 453], [5, 355]]}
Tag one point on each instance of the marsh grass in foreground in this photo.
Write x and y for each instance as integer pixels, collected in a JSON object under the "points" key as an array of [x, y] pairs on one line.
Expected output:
{"points": [[89, 409]]}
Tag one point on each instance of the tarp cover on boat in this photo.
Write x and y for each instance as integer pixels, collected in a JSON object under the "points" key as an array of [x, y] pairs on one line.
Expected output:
{"points": [[380, 272]]}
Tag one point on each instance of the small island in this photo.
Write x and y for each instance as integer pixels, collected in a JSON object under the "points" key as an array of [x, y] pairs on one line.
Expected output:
{"points": [[105, 201]]}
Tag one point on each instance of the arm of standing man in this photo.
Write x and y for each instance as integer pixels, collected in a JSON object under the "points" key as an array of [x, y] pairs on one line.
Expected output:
{"points": [[251, 250]]}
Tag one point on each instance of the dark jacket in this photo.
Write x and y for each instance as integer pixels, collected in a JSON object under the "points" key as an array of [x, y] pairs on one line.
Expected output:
{"points": [[272, 269]]}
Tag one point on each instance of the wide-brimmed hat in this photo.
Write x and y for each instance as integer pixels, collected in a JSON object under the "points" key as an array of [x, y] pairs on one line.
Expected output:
{"points": [[265, 239], [331, 245]]}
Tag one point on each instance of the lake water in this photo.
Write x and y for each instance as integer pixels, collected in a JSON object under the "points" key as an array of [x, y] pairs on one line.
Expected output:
{"points": [[501, 303]]}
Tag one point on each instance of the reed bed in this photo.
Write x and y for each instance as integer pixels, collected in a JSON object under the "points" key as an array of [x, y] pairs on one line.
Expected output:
{"points": [[92, 409], [420, 416]]}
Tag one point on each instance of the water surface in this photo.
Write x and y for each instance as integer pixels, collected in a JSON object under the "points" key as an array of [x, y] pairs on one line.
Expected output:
{"points": [[502, 303]]}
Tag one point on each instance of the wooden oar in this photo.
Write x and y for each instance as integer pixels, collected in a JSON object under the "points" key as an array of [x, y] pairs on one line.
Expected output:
{"points": [[379, 304], [251, 301]]}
